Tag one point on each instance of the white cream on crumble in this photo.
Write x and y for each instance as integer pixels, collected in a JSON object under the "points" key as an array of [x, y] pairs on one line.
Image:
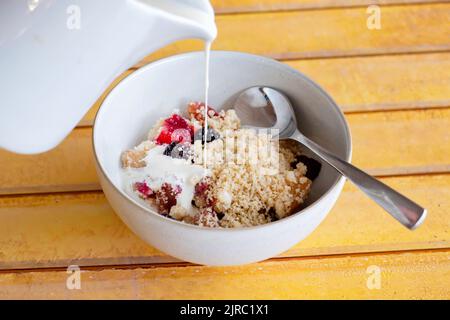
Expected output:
{"points": [[160, 169]]}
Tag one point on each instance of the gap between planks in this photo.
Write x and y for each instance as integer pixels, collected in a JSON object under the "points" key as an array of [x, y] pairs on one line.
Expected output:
{"points": [[173, 262], [416, 275]]}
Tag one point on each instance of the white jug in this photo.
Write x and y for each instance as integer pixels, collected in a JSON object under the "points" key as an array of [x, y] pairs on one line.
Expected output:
{"points": [[58, 56]]}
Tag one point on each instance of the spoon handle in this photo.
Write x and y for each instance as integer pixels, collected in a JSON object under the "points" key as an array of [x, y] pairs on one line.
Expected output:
{"points": [[407, 212]]}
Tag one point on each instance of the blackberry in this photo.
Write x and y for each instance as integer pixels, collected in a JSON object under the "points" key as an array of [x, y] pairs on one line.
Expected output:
{"points": [[211, 135], [169, 149], [272, 214], [178, 150], [313, 166], [220, 215]]}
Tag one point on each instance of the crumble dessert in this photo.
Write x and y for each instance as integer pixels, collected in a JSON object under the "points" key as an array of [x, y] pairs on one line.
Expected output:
{"points": [[224, 176]]}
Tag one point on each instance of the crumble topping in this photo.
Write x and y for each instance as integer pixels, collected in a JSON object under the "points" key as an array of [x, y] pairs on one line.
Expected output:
{"points": [[248, 179]]}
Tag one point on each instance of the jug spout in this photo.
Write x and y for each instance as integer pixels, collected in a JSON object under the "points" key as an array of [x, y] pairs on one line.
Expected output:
{"points": [[183, 18], [161, 22]]}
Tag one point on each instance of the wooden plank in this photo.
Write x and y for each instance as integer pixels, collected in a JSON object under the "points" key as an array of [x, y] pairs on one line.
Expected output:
{"points": [[383, 82], [57, 230], [239, 6], [421, 140], [356, 224], [329, 33], [420, 275], [70, 166], [358, 84]]}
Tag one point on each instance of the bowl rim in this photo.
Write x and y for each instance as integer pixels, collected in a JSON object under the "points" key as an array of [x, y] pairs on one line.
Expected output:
{"points": [[285, 68]]}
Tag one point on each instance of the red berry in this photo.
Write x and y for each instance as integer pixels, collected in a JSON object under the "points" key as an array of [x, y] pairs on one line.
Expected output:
{"points": [[166, 197], [165, 137], [201, 196], [182, 136], [201, 187], [174, 123], [143, 190]]}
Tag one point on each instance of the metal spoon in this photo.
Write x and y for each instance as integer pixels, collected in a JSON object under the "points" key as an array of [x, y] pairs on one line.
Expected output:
{"points": [[263, 107]]}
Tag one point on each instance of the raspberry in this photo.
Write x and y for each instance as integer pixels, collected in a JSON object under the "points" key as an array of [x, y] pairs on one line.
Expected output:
{"points": [[143, 190], [165, 137], [176, 122], [171, 124], [201, 198], [182, 135], [201, 187], [166, 197]]}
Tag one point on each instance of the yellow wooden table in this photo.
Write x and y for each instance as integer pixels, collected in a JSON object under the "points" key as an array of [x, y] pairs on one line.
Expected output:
{"points": [[393, 85]]}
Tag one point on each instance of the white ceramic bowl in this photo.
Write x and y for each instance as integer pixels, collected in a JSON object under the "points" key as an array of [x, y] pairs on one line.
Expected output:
{"points": [[154, 91]]}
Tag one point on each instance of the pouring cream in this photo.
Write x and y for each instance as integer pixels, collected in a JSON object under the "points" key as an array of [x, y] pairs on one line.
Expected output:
{"points": [[160, 168]]}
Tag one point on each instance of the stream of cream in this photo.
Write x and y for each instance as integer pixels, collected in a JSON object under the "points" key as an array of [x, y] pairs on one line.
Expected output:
{"points": [[159, 167], [205, 126]]}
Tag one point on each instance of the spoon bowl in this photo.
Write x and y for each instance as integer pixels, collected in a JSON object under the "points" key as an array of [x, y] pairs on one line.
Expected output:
{"points": [[262, 108]]}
